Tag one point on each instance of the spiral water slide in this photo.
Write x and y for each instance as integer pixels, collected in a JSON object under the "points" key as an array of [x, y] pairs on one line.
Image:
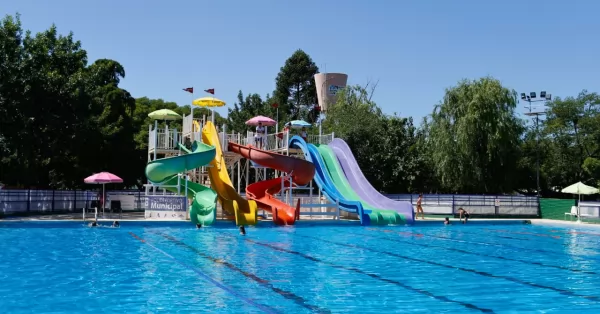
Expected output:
{"points": [[361, 185], [301, 172], [233, 203], [164, 172]]}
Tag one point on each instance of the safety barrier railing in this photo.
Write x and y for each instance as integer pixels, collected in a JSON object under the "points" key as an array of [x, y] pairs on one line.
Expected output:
{"points": [[506, 205]]}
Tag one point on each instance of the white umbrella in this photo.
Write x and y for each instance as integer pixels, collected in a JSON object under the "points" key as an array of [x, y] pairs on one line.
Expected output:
{"points": [[579, 189]]}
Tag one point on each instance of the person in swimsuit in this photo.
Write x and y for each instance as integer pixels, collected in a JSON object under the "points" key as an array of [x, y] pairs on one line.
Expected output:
{"points": [[462, 212], [419, 207], [242, 230], [447, 221]]}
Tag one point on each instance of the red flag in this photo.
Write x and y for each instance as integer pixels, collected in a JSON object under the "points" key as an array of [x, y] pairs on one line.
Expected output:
{"points": [[189, 90], [275, 105], [210, 91]]}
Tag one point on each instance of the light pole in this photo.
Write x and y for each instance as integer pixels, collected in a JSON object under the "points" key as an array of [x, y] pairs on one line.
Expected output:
{"points": [[536, 113]]}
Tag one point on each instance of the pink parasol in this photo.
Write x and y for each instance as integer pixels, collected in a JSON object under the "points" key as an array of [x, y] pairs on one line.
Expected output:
{"points": [[261, 119], [102, 178]]}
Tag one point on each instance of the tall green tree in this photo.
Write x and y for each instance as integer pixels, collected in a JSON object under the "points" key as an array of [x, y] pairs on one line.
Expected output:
{"points": [[295, 91], [384, 146], [474, 136], [61, 119], [572, 130], [248, 107]]}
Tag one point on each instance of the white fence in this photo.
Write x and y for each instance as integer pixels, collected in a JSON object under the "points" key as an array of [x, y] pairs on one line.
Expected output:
{"points": [[590, 209], [491, 205], [47, 201], [44, 201]]}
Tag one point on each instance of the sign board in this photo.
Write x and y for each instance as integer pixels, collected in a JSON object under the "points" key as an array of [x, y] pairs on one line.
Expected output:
{"points": [[333, 89], [497, 202], [162, 207]]}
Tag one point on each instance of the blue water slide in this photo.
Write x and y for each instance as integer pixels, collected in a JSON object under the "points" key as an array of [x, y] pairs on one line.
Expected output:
{"points": [[325, 183]]}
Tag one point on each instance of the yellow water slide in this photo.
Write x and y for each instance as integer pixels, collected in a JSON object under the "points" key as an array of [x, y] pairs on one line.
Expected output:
{"points": [[233, 203], [196, 127]]}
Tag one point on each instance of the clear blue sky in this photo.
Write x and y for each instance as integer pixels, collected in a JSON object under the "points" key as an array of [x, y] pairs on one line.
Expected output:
{"points": [[415, 49]]}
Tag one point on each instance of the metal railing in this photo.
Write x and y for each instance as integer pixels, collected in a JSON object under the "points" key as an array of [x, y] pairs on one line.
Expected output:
{"points": [[505, 205], [44, 201], [159, 139]]}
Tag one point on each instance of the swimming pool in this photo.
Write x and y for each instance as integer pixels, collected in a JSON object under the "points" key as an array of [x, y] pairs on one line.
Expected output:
{"points": [[167, 268]]}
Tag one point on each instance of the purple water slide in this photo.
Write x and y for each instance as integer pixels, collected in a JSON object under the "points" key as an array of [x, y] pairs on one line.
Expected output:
{"points": [[361, 185]]}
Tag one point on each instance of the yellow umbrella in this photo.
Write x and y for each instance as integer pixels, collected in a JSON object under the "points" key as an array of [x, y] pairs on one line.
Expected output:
{"points": [[209, 102]]}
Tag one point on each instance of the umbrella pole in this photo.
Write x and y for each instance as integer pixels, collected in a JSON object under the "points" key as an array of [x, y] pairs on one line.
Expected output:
{"points": [[103, 198], [155, 137], [579, 201], [212, 118]]}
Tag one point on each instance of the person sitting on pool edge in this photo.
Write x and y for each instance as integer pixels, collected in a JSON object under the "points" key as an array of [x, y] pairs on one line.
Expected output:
{"points": [[242, 230], [462, 212]]}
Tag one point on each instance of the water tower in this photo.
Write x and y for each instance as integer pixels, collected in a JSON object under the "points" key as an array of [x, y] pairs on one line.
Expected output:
{"points": [[328, 84]]}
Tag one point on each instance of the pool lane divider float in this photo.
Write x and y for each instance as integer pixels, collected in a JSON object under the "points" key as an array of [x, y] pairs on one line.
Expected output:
{"points": [[468, 270], [362, 272], [510, 247], [263, 282], [530, 240], [575, 270], [264, 308]]}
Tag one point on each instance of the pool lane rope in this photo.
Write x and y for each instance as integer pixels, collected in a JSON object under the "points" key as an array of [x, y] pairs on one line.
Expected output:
{"points": [[207, 278]]}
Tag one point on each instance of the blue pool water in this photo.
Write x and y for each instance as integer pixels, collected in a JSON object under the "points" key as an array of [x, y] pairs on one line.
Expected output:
{"points": [[174, 268]]}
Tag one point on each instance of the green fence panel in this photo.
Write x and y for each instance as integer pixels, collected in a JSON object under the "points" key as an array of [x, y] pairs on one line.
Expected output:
{"points": [[555, 208]]}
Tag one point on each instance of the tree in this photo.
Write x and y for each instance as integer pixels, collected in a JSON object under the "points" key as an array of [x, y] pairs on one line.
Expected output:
{"points": [[572, 131], [473, 138], [61, 119], [246, 108], [384, 146], [295, 91]]}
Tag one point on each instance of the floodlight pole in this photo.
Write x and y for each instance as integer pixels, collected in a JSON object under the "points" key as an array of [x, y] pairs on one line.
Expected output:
{"points": [[537, 115]]}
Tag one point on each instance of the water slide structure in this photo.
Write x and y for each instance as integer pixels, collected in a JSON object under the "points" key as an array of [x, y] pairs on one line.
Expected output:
{"points": [[165, 172], [333, 183], [301, 172], [245, 211], [361, 185]]}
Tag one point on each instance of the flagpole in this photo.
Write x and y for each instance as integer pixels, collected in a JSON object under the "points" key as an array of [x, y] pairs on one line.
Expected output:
{"points": [[213, 110], [192, 112]]}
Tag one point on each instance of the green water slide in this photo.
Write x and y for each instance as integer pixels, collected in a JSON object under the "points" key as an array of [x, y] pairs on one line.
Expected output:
{"points": [[164, 172], [378, 216]]}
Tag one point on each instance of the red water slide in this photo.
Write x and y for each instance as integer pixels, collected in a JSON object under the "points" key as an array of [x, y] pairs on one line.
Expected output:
{"points": [[262, 192]]}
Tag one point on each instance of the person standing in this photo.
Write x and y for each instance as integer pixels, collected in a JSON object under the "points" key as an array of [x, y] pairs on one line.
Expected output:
{"points": [[419, 207], [259, 137], [304, 134]]}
